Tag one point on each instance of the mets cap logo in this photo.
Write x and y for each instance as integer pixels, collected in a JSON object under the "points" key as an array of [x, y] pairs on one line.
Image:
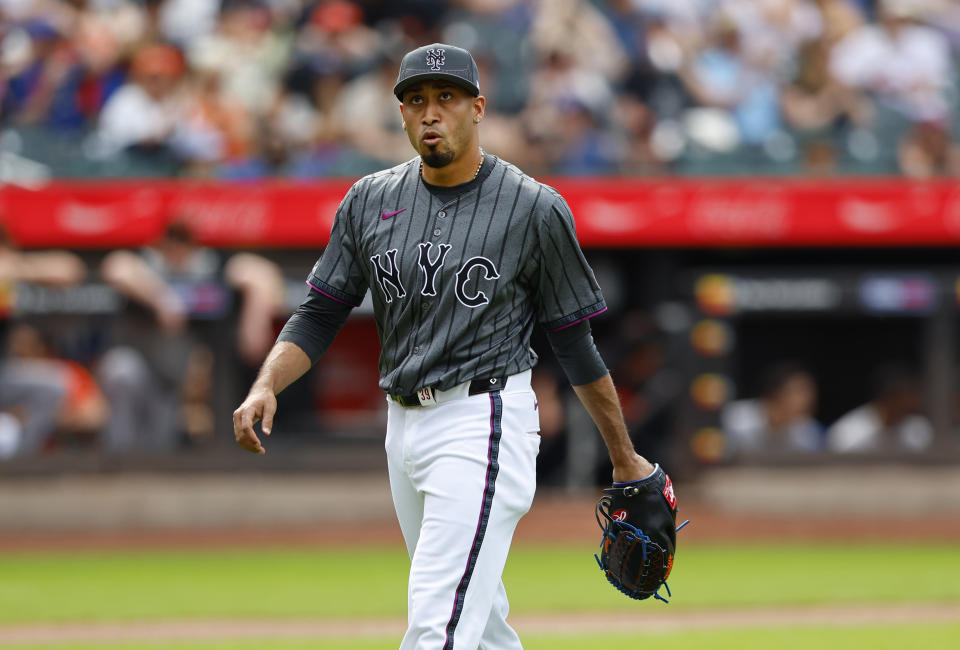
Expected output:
{"points": [[435, 57]]}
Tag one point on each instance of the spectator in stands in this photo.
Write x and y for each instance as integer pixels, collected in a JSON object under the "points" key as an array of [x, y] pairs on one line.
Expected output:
{"points": [[929, 150], [722, 78], [579, 61], [889, 422], [226, 129], [98, 73], [906, 66], [266, 75], [40, 67], [567, 104], [781, 420], [158, 359], [814, 102], [31, 391], [838, 18], [635, 123], [308, 118], [819, 109], [367, 110], [945, 14], [334, 37], [64, 77], [184, 22], [249, 53], [772, 30], [146, 114], [585, 147], [588, 42]]}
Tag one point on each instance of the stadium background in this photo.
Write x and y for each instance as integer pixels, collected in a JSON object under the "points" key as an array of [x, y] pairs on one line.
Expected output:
{"points": [[758, 184]]}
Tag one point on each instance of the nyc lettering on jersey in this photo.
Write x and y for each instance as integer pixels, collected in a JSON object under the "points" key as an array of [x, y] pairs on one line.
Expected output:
{"points": [[386, 270]]}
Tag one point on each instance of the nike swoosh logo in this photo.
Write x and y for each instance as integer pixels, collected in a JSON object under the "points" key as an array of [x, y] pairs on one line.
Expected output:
{"points": [[386, 215]]}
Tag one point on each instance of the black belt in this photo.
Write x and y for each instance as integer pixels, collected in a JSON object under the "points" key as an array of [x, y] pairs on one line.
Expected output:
{"points": [[477, 386]]}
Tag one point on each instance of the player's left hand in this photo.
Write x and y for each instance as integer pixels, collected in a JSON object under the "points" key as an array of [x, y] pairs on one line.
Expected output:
{"points": [[633, 468], [638, 519]]}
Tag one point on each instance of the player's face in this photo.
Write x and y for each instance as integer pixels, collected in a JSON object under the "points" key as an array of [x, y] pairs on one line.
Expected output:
{"points": [[439, 119]]}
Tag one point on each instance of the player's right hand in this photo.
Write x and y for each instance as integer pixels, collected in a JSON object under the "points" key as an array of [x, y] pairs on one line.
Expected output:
{"points": [[261, 404]]}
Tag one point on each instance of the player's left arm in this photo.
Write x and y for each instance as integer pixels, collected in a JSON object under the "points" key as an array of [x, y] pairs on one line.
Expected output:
{"points": [[600, 399], [577, 354], [568, 296]]}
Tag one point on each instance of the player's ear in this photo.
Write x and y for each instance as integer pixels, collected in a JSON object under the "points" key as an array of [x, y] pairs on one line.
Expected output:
{"points": [[479, 104], [403, 122]]}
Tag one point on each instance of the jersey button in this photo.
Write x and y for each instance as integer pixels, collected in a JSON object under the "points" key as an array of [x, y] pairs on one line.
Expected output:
{"points": [[425, 306], [436, 233], [416, 350], [442, 214]]}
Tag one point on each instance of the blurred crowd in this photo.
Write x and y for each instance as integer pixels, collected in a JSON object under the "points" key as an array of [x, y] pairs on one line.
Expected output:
{"points": [[248, 89]]}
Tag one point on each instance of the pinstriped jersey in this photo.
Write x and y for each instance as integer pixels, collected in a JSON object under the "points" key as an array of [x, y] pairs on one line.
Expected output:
{"points": [[457, 283]]}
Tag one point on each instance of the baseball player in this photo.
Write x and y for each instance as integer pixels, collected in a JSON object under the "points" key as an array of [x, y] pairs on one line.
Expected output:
{"points": [[463, 255]]}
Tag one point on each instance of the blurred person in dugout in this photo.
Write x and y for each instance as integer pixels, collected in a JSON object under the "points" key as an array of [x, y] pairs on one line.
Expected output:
{"points": [[781, 419], [84, 410], [32, 391], [891, 421], [158, 378]]}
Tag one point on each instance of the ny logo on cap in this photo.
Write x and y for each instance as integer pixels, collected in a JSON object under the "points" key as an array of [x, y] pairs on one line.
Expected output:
{"points": [[435, 57]]}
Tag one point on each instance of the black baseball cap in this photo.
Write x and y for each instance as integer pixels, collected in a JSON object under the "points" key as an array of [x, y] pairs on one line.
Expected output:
{"points": [[438, 61]]}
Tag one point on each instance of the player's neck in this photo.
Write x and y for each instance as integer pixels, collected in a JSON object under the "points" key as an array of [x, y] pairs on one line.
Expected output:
{"points": [[460, 171]]}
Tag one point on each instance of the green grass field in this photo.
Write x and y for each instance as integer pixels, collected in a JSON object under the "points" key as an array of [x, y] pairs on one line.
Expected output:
{"points": [[369, 584], [792, 638]]}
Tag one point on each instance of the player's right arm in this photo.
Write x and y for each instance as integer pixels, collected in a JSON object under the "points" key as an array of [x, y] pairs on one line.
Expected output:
{"points": [[568, 297], [305, 337], [336, 286], [286, 363]]}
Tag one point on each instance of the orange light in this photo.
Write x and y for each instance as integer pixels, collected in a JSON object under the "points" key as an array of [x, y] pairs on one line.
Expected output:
{"points": [[716, 294]]}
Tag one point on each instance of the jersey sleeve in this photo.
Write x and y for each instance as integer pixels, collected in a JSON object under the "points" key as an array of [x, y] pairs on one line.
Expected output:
{"points": [[315, 323], [568, 290], [338, 274]]}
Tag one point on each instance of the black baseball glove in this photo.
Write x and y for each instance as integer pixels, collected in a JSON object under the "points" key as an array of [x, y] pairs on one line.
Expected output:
{"points": [[639, 522]]}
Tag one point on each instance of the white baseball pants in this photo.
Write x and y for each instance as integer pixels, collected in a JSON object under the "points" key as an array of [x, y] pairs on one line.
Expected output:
{"points": [[462, 474]]}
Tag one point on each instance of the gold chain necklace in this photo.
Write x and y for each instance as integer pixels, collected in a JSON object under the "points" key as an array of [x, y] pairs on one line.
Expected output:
{"points": [[482, 156]]}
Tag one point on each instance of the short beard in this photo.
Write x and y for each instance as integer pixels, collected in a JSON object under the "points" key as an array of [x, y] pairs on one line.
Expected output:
{"points": [[437, 159]]}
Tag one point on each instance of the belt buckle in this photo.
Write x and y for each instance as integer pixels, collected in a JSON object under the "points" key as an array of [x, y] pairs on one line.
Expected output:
{"points": [[427, 396]]}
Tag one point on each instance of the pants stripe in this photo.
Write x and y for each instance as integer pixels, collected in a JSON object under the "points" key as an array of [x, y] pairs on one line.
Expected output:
{"points": [[493, 467]]}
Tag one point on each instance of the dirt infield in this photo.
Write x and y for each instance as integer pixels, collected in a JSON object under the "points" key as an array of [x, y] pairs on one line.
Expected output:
{"points": [[553, 519], [123, 510], [660, 621]]}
